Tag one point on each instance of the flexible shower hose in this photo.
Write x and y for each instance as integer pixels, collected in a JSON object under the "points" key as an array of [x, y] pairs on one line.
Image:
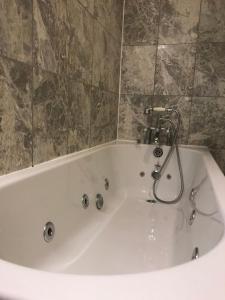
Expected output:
{"points": [[169, 154]]}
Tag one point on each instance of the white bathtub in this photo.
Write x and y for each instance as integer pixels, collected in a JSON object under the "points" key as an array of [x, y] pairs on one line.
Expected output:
{"points": [[131, 249]]}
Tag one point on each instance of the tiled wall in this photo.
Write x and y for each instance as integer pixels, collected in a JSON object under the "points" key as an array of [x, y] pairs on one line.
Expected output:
{"points": [[174, 54], [59, 77]]}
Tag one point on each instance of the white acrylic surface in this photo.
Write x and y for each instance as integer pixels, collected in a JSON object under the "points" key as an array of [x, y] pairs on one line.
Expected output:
{"points": [[122, 245]]}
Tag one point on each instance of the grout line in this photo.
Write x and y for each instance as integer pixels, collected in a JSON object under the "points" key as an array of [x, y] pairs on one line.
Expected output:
{"points": [[171, 95], [120, 74], [194, 71], [91, 88], [32, 88], [157, 47], [171, 44]]}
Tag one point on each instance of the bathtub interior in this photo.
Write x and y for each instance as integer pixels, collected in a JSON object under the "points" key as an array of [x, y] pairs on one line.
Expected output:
{"points": [[129, 235]]}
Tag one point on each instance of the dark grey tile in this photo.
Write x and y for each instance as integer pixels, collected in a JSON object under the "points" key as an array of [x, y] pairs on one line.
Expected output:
{"points": [[141, 20], [208, 122], [106, 60], [212, 21], [49, 116], [80, 47], [132, 119], [79, 106], [183, 105], [210, 70], [219, 156], [109, 14], [88, 4], [175, 70], [104, 114], [179, 21], [16, 29], [138, 68], [50, 35], [15, 116]]}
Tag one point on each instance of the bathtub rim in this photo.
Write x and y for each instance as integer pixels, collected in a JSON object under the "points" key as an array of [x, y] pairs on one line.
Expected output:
{"points": [[45, 285]]}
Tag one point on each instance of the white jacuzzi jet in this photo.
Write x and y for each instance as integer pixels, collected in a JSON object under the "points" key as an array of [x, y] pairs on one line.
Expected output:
{"points": [[58, 240]]}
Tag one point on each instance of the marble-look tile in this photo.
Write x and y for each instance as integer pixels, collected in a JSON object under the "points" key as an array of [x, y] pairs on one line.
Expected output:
{"points": [[15, 116], [132, 119], [208, 122], [88, 4], [141, 20], [212, 21], [79, 106], [109, 13], [138, 68], [104, 114], [49, 116], [80, 47], [50, 35], [16, 29], [179, 21], [219, 156], [183, 105], [175, 70], [210, 70], [106, 60]]}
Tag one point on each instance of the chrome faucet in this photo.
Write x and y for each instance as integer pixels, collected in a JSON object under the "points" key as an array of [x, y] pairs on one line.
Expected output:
{"points": [[152, 135]]}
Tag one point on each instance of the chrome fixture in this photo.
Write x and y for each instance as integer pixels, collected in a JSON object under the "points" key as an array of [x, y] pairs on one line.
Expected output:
{"points": [[49, 232], [99, 201], [152, 135], [195, 253], [85, 201], [192, 199], [172, 139], [152, 201], [106, 184], [158, 152], [142, 174], [192, 217], [156, 174]]}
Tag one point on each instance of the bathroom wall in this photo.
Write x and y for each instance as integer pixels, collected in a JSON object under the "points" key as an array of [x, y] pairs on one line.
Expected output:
{"points": [[174, 54], [59, 77]]}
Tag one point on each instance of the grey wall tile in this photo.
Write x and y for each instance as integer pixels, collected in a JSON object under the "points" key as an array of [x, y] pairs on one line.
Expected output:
{"points": [[79, 107], [187, 64], [88, 4], [210, 70], [49, 116], [175, 70], [179, 21], [183, 105], [141, 20], [106, 60], [15, 116], [132, 119], [219, 156], [80, 47], [104, 114], [208, 122], [212, 21], [62, 41], [50, 35], [109, 13], [16, 29], [138, 68]]}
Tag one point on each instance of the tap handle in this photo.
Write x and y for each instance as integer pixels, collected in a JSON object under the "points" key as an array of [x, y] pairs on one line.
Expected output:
{"points": [[148, 110]]}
